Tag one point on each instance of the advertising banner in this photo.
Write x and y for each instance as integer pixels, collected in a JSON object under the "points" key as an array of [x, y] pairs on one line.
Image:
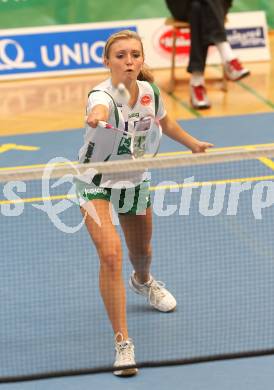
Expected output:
{"points": [[246, 31], [36, 52], [76, 49]]}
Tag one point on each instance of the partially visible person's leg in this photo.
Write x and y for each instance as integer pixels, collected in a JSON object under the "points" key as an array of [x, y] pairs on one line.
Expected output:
{"points": [[197, 59], [215, 13], [214, 19], [197, 48], [207, 18]]}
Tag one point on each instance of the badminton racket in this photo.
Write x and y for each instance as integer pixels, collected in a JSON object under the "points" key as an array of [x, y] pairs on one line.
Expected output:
{"points": [[146, 133], [145, 137]]}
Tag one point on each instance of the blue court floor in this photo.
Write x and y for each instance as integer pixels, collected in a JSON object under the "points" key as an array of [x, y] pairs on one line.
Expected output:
{"points": [[222, 242]]}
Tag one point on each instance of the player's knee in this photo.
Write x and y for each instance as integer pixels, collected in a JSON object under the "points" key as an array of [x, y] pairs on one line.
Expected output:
{"points": [[111, 260]]}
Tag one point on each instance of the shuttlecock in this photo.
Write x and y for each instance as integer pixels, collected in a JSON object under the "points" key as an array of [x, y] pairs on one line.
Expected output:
{"points": [[121, 94]]}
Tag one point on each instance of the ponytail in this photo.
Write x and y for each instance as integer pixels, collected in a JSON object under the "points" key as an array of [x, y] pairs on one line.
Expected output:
{"points": [[146, 74]]}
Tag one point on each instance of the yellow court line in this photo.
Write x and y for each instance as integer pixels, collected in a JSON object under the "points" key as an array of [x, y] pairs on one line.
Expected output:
{"points": [[222, 149], [6, 147], [37, 166], [268, 162], [40, 199], [24, 147], [166, 154], [154, 188], [212, 182]]}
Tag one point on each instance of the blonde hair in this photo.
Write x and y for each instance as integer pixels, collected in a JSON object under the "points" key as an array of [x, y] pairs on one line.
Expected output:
{"points": [[145, 73]]}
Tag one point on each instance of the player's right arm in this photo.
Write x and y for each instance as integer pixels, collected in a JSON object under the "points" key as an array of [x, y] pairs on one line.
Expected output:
{"points": [[99, 112]]}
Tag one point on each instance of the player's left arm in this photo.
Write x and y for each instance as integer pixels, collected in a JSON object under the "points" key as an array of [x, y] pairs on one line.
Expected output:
{"points": [[174, 131]]}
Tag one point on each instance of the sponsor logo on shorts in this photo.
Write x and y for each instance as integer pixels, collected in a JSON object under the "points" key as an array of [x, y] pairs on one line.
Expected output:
{"points": [[95, 191]]}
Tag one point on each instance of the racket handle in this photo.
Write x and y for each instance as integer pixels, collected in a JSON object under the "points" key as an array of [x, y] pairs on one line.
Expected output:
{"points": [[105, 125]]}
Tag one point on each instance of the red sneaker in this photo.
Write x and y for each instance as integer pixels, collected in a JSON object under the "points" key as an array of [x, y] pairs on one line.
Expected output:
{"points": [[198, 97], [234, 70]]}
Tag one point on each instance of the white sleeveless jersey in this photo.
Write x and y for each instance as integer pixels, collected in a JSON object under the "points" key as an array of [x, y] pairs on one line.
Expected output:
{"points": [[108, 145]]}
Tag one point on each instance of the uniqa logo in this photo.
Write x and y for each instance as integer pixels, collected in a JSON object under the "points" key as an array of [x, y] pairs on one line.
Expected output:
{"points": [[17, 62], [182, 41]]}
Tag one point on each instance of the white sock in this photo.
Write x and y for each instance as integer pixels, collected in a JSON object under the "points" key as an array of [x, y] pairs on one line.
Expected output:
{"points": [[225, 51], [197, 78]]}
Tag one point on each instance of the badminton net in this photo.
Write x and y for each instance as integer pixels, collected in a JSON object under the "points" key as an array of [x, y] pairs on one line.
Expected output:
{"points": [[212, 246]]}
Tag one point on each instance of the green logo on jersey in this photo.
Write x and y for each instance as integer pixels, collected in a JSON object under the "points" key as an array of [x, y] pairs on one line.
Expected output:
{"points": [[139, 146], [124, 146]]}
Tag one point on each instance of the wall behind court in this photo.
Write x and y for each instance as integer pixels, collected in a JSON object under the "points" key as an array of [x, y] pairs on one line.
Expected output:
{"points": [[29, 13]]}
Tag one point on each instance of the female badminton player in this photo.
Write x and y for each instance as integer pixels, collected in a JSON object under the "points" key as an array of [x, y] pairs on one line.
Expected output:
{"points": [[123, 100]]}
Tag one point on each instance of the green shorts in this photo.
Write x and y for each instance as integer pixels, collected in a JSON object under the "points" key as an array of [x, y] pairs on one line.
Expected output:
{"points": [[134, 200]]}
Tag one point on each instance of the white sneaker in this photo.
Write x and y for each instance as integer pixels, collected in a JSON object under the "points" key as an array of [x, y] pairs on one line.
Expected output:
{"points": [[198, 97], [124, 357], [234, 70], [157, 295]]}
